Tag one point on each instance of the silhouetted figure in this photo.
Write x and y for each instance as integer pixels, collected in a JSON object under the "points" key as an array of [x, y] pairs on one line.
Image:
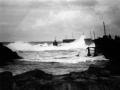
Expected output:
{"points": [[116, 37], [88, 51], [110, 36], [105, 36]]}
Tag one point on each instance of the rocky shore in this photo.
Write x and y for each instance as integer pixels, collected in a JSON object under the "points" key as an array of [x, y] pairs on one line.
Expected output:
{"points": [[7, 55], [95, 78]]}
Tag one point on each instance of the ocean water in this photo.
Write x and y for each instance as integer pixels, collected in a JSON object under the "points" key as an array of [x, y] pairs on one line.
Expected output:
{"points": [[56, 60]]}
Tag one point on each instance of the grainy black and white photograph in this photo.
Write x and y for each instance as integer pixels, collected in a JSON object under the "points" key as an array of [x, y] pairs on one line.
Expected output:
{"points": [[59, 44]]}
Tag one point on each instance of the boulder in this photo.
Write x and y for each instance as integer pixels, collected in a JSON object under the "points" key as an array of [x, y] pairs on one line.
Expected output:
{"points": [[31, 76], [7, 55], [6, 80], [39, 80]]}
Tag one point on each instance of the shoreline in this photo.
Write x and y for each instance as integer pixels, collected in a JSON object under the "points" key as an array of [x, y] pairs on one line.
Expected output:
{"points": [[97, 77]]}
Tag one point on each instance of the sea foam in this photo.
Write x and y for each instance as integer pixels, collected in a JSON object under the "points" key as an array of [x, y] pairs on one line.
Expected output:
{"points": [[24, 46]]}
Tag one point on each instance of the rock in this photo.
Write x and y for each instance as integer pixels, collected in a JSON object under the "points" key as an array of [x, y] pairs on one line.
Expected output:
{"points": [[110, 48], [31, 76], [95, 78], [99, 71], [72, 85], [7, 55], [37, 74], [6, 80], [39, 80]]}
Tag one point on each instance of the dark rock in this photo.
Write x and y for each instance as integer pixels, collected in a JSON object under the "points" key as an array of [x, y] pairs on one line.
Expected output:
{"points": [[99, 71], [110, 48], [114, 67], [36, 85], [6, 81], [31, 76], [95, 78], [87, 80], [34, 74], [7, 55], [101, 84]]}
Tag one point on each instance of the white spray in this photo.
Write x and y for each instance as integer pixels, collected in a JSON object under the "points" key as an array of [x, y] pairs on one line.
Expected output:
{"points": [[22, 46], [64, 53]]}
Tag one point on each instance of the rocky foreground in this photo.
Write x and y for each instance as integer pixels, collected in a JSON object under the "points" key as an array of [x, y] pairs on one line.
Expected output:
{"points": [[95, 78], [7, 55]]}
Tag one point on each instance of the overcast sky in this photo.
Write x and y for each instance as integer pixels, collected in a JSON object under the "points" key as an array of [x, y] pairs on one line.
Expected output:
{"points": [[43, 20]]}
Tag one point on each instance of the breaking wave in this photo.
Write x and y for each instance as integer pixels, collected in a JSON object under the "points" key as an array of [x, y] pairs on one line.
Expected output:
{"points": [[73, 52], [24, 46]]}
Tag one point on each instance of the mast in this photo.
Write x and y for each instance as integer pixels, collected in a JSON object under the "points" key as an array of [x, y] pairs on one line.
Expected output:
{"points": [[104, 28], [91, 34], [94, 34], [55, 38]]}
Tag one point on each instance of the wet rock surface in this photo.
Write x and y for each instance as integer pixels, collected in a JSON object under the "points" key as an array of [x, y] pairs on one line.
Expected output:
{"points": [[6, 81], [95, 78], [7, 55]]}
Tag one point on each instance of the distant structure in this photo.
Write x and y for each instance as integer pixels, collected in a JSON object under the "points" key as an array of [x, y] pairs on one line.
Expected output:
{"points": [[55, 43], [69, 40], [88, 41]]}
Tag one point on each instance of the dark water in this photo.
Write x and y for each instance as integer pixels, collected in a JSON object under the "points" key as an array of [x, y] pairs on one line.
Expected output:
{"points": [[62, 65], [50, 67]]}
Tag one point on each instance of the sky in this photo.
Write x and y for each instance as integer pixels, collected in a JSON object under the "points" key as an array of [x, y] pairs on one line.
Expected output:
{"points": [[43, 20]]}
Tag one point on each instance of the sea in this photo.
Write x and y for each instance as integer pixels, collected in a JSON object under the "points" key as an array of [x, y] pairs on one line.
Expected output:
{"points": [[56, 60]]}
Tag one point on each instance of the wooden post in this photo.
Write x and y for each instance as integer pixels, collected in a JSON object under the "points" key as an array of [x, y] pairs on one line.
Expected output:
{"points": [[95, 52], [88, 51]]}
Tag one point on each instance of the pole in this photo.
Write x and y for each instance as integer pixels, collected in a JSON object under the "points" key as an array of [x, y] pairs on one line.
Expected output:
{"points": [[104, 28], [94, 34]]}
